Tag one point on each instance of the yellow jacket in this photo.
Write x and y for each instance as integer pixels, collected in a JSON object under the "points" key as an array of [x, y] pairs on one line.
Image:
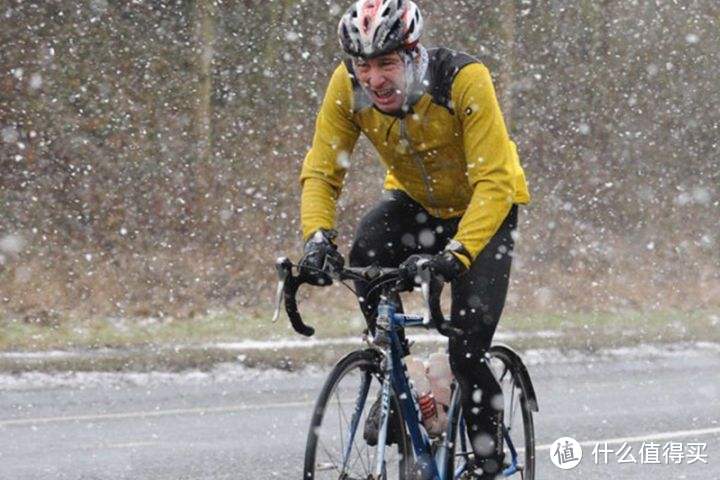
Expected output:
{"points": [[452, 154]]}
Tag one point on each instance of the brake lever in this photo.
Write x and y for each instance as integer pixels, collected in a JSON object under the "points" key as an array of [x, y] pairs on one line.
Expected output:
{"points": [[425, 278], [443, 326], [286, 291], [283, 265]]}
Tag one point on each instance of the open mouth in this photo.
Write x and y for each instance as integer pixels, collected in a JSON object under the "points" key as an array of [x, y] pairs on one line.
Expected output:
{"points": [[384, 94]]}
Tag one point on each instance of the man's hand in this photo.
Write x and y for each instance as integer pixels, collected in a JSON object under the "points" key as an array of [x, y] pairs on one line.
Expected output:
{"points": [[321, 257], [445, 265], [410, 273]]}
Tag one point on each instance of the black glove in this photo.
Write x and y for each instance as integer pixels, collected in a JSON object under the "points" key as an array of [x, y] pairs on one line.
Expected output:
{"points": [[321, 257], [445, 265], [409, 272]]}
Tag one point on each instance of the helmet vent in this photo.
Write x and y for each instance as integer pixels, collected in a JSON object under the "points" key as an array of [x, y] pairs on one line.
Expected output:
{"points": [[396, 28]]}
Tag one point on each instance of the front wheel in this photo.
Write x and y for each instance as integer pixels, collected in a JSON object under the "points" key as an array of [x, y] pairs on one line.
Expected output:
{"points": [[336, 448]]}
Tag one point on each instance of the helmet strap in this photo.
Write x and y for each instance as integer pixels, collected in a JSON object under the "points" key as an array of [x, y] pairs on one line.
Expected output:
{"points": [[416, 64]]}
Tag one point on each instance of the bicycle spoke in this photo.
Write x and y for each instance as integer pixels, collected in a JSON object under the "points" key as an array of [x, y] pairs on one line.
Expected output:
{"points": [[362, 457], [355, 435], [366, 469], [342, 443], [502, 376], [354, 443], [335, 463], [512, 407], [367, 452], [342, 414]]}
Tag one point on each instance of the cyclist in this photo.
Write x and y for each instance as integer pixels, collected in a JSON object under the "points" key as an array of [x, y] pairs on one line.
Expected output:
{"points": [[451, 190]]}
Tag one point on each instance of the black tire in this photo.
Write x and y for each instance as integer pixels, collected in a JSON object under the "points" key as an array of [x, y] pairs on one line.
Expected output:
{"points": [[323, 450], [508, 374]]}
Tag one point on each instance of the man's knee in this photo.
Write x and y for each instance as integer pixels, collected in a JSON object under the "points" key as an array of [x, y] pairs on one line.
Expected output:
{"points": [[466, 354], [358, 253]]}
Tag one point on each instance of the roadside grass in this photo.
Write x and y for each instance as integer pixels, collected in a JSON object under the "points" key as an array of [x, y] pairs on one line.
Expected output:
{"points": [[225, 326], [569, 330], [175, 345], [594, 330]]}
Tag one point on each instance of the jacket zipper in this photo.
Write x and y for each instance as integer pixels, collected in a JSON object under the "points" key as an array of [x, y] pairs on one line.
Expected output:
{"points": [[419, 162]]}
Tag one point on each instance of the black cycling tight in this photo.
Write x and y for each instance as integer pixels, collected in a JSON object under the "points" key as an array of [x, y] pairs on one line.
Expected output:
{"points": [[396, 228]]}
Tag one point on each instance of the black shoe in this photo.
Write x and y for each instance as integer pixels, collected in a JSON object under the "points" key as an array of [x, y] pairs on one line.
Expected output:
{"points": [[372, 425], [478, 474], [485, 469]]}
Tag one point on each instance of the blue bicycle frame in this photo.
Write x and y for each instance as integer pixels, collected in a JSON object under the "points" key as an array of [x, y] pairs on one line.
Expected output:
{"points": [[388, 323]]}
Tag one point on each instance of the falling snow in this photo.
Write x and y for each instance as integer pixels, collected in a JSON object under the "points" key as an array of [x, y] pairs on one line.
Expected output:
{"points": [[164, 141]]}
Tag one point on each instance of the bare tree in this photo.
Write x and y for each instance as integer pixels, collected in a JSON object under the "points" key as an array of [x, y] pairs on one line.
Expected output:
{"points": [[508, 17], [205, 11]]}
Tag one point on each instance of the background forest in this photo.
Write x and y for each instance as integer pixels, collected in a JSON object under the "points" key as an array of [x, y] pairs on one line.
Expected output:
{"points": [[150, 150]]}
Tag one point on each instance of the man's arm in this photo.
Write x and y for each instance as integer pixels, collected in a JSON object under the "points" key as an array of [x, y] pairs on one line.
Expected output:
{"points": [[489, 157], [323, 170]]}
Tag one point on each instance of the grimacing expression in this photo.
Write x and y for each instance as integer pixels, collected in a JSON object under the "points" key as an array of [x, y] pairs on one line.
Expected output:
{"points": [[383, 78]]}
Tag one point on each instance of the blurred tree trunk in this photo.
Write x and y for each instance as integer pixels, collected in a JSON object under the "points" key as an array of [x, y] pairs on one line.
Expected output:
{"points": [[201, 180], [508, 18], [204, 39], [275, 39], [274, 18]]}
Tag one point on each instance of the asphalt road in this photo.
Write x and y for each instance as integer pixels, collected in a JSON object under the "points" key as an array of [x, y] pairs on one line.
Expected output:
{"points": [[237, 423]]}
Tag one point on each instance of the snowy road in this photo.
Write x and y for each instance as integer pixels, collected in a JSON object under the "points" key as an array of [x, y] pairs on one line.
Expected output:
{"points": [[236, 423]]}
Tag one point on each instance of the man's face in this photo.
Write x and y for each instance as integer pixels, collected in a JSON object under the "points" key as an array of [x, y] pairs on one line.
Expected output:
{"points": [[383, 77]]}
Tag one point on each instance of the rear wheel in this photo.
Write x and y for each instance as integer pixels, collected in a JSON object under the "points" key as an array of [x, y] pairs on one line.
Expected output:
{"points": [[335, 447], [518, 427]]}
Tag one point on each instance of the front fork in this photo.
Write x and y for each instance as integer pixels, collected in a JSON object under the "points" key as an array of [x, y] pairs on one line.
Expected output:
{"points": [[355, 421], [384, 418]]}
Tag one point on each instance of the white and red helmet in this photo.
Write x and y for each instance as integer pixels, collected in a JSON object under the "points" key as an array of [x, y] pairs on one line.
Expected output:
{"points": [[371, 28]]}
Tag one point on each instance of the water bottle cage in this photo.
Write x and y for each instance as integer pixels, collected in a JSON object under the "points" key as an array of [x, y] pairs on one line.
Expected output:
{"points": [[381, 338]]}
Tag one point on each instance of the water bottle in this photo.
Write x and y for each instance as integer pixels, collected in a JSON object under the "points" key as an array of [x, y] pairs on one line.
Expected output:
{"points": [[440, 378], [426, 401]]}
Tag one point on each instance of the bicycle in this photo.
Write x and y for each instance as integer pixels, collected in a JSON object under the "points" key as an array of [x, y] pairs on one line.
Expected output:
{"points": [[334, 449]]}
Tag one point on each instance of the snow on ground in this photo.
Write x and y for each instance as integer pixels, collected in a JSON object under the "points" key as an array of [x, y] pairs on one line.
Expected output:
{"points": [[222, 373], [424, 338], [234, 372], [684, 350]]}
